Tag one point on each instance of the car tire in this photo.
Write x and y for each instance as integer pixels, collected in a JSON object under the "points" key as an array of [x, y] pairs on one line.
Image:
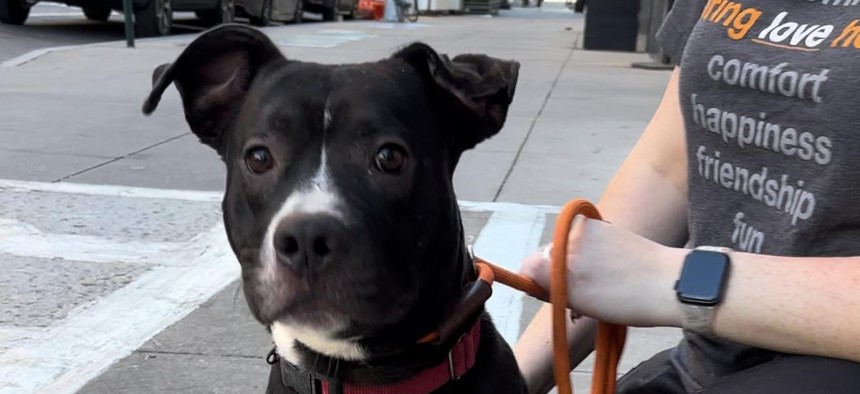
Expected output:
{"points": [[330, 14], [155, 19], [353, 12], [225, 13], [99, 14], [14, 12], [265, 17]]}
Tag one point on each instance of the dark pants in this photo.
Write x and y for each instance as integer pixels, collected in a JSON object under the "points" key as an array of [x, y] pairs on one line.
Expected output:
{"points": [[783, 375]]}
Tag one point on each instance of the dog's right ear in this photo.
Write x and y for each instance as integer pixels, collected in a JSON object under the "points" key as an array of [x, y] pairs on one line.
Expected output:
{"points": [[213, 76]]}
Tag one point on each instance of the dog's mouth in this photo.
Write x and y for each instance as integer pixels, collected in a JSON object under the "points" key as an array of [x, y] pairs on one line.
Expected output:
{"points": [[341, 330], [301, 313], [344, 305], [332, 325]]}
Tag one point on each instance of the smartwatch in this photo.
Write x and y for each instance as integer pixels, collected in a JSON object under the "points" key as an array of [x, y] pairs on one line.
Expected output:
{"points": [[701, 286]]}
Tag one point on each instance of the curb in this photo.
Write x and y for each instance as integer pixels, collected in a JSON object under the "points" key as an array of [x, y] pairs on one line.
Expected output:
{"points": [[177, 39], [35, 54]]}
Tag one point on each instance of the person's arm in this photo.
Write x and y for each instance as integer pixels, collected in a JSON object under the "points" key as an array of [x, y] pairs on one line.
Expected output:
{"points": [[798, 305], [647, 195]]}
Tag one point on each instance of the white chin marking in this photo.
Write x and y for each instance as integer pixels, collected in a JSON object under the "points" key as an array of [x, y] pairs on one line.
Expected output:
{"points": [[314, 195], [285, 337]]}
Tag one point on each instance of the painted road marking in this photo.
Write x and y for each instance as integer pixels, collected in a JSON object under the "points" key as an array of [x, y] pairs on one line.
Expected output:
{"points": [[21, 239], [66, 355], [109, 190], [291, 36], [399, 26], [63, 357], [509, 236], [324, 38]]}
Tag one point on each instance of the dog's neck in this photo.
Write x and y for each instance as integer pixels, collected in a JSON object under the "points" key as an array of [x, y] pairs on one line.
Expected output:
{"points": [[385, 370], [394, 355]]}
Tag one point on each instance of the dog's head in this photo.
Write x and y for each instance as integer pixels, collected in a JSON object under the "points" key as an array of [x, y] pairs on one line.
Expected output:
{"points": [[339, 201]]}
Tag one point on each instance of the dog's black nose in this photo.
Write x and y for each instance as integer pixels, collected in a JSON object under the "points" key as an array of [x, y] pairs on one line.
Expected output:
{"points": [[308, 241]]}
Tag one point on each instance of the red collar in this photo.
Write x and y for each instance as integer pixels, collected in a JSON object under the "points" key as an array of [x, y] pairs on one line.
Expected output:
{"points": [[460, 359]]}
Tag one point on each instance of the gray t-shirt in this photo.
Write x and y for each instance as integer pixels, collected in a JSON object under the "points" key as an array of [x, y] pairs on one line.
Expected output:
{"points": [[769, 91]]}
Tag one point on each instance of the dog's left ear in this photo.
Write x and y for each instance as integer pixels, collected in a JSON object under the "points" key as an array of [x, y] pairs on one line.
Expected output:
{"points": [[477, 89]]}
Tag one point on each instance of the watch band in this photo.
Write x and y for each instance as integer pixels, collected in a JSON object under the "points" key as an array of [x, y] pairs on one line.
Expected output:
{"points": [[699, 318]]}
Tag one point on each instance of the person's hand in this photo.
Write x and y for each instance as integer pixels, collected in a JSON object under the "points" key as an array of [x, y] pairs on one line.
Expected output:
{"points": [[615, 275]]}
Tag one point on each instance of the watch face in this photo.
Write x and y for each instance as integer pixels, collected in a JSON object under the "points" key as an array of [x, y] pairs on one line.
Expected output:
{"points": [[702, 277]]}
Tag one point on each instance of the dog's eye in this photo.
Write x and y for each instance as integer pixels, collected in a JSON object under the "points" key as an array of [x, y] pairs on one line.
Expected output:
{"points": [[390, 159], [259, 160]]}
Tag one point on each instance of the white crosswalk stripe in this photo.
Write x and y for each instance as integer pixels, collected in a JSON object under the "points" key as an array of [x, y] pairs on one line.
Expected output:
{"points": [[324, 38]]}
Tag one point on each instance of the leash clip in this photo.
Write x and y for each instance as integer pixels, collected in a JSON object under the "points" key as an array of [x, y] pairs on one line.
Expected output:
{"points": [[471, 301]]}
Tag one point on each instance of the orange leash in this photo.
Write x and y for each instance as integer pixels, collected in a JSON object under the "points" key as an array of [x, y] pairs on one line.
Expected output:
{"points": [[609, 343]]}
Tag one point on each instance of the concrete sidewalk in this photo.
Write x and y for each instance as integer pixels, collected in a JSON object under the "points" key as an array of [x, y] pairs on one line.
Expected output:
{"points": [[110, 221]]}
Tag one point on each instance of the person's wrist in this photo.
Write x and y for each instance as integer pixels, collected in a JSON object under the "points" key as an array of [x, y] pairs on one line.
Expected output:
{"points": [[669, 310], [701, 285]]}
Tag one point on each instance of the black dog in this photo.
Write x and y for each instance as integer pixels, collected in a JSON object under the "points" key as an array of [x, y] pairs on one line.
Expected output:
{"points": [[340, 208]]}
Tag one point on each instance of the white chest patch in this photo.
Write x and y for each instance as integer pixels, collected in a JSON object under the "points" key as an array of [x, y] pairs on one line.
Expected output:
{"points": [[285, 337]]}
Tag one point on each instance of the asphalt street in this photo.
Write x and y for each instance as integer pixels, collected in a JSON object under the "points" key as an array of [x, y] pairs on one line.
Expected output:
{"points": [[56, 25]]}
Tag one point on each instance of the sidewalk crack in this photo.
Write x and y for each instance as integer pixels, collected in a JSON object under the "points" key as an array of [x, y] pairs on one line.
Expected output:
{"points": [[534, 120], [177, 353], [116, 159]]}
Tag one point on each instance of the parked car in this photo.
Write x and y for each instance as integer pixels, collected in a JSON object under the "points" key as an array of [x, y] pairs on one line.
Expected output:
{"points": [[264, 12], [152, 17]]}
